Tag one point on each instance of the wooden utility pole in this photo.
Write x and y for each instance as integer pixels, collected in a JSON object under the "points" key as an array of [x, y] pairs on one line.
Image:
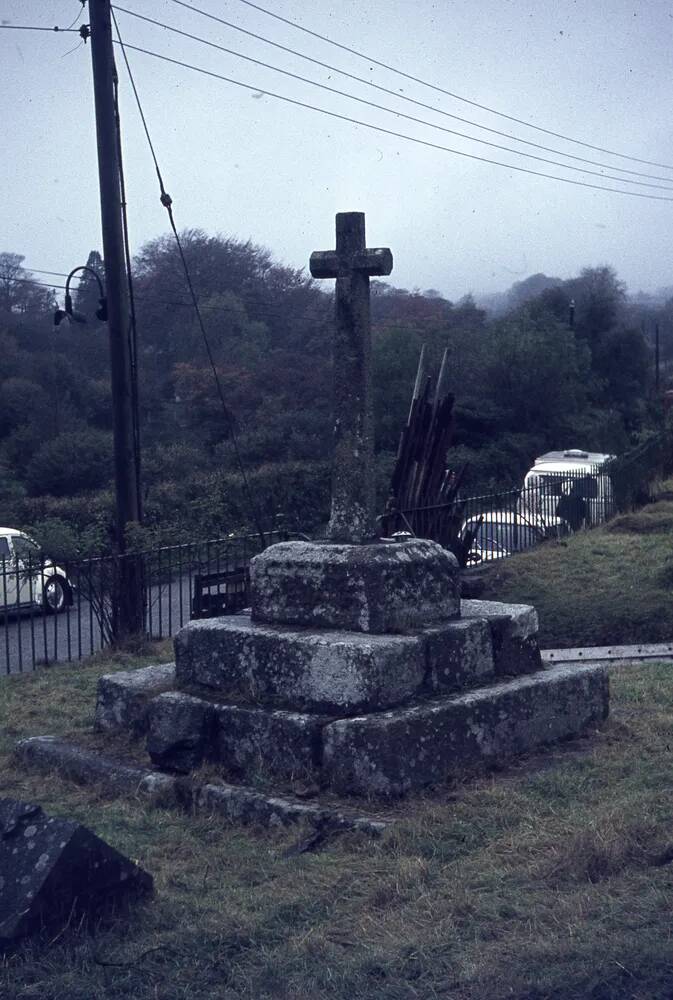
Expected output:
{"points": [[129, 604]]}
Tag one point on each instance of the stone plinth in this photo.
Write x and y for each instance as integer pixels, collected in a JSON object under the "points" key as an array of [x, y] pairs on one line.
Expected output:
{"points": [[390, 753], [316, 671], [379, 588]]}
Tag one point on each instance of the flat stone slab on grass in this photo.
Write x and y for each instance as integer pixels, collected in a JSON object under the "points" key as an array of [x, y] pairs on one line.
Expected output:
{"points": [[235, 803], [53, 870], [122, 698], [378, 588], [322, 671], [390, 753]]}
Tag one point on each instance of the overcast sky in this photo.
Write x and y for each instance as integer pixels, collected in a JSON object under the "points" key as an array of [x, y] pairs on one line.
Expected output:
{"points": [[239, 162]]}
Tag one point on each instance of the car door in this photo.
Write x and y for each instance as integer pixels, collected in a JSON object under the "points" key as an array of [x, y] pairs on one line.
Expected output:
{"points": [[7, 574], [27, 560]]}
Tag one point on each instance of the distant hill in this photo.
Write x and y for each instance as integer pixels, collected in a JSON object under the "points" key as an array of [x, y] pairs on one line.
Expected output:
{"points": [[520, 292]]}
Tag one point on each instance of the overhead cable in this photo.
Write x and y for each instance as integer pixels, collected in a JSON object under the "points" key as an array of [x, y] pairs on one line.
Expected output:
{"points": [[449, 93], [167, 202], [39, 27], [392, 111], [391, 132], [405, 97]]}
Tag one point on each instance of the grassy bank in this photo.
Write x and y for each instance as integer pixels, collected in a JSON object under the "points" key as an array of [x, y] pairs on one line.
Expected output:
{"points": [[610, 585], [550, 880]]}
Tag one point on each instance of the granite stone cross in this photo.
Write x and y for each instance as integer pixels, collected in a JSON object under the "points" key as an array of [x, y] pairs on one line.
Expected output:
{"points": [[353, 512]]}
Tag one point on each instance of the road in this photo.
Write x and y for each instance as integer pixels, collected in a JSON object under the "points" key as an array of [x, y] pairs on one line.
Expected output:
{"points": [[30, 640]]}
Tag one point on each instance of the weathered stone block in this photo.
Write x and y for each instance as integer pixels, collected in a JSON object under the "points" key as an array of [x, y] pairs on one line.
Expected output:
{"points": [[317, 671], [122, 698], [390, 753], [458, 654], [522, 620], [514, 629], [254, 741], [53, 870], [377, 588], [180, 730]]}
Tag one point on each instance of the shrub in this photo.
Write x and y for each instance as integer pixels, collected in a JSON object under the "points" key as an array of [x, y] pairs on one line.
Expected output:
{"points": [[71, 463]]}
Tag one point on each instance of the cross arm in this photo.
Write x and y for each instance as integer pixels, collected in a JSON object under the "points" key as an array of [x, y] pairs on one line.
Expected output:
{"points": [[324, 264], [328, 264]]}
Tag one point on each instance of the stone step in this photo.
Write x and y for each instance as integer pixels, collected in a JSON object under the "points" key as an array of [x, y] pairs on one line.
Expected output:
{"points": [[122, 698], [185, 731], [342, 673], [391, 753], [514, 634], [347, 673]]}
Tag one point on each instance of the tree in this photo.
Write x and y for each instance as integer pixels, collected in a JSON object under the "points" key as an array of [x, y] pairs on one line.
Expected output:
{"points": [[74, 462]]}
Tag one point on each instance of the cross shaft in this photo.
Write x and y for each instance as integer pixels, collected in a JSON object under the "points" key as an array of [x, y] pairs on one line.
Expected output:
{"points": [[353, 512]]}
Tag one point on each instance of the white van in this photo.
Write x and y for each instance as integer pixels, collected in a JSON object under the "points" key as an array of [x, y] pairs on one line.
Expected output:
{"points": [[570, 486]]}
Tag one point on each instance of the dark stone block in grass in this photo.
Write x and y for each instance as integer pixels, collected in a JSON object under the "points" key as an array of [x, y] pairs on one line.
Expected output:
{"points": [[53, 871]]}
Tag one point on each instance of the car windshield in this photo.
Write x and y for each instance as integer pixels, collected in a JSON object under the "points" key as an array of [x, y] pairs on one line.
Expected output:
{"points": [[4, 547], [505, 537]]}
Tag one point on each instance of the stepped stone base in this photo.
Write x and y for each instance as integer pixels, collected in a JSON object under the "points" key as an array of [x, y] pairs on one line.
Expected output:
{"points": [[390, 753], [379, 588], [353, 712]]}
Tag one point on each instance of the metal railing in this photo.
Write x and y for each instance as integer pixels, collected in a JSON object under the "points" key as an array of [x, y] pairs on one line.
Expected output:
{"points": [[495, 525], [55, 611]]}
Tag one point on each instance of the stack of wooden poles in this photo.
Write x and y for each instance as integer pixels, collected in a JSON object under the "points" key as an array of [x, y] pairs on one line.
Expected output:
{"points": [[424, 490]]}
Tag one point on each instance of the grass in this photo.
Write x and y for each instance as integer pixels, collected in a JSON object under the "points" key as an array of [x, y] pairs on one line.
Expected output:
{"points": [[550, 880], [611, 585]]}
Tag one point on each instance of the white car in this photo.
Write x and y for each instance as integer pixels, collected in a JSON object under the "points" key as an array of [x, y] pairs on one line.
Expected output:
{"points": [[502, 532], [27, 577]]}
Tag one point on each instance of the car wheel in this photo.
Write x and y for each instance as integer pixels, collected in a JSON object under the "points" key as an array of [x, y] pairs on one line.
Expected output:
{"points": [[54, 594]]}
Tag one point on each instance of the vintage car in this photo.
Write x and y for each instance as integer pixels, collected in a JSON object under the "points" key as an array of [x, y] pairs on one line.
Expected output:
{"points": [[28, 578], [499, 533]]}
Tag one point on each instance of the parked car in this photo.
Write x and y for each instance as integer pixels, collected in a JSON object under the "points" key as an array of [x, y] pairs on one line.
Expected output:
{"points": [[499, 533], [28, 578]]}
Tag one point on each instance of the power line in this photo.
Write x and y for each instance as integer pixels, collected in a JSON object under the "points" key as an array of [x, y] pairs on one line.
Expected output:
{"points": [[391, 132], [403, 97], [399, 114], [81, 11], [38, 27], [166, 201], [449, 93], [29, 281], [246, 299]]}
